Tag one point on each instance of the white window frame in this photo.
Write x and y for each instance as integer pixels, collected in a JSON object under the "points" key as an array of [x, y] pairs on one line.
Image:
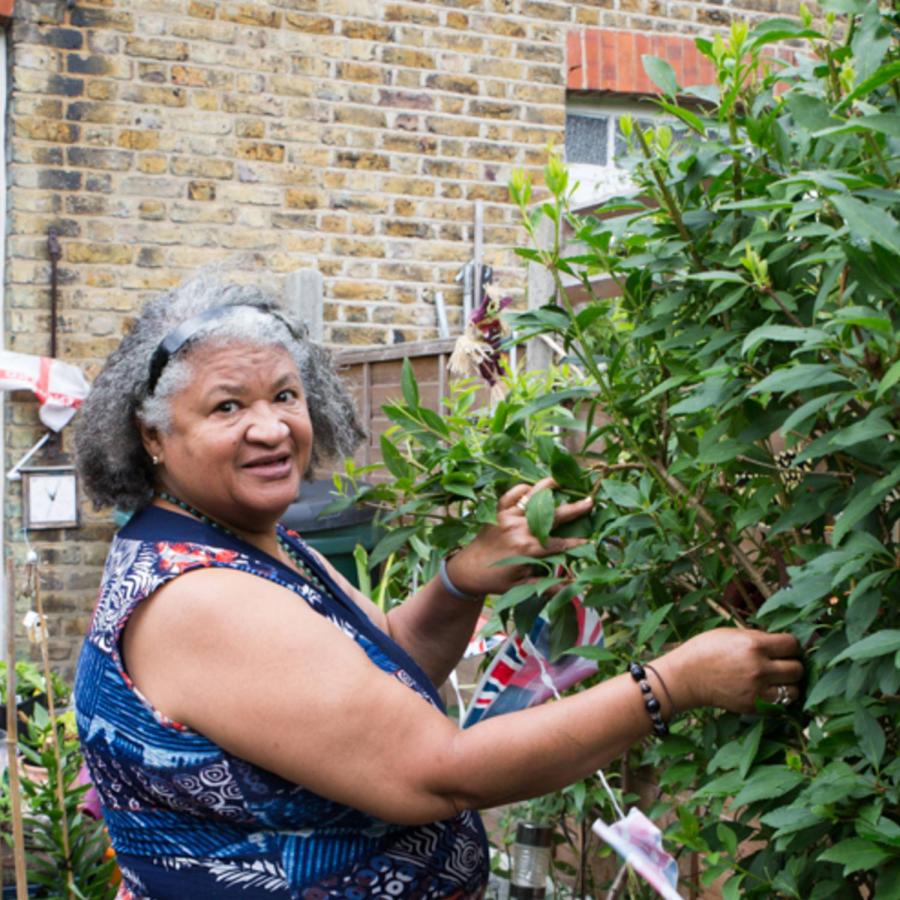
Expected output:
{"points": [[599, 183]]}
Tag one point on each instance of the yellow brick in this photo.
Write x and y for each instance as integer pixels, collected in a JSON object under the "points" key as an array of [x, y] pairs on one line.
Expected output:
{"points": [[249, 14], [366, 31], [259, 150], [152, 163], [350, 247], [138, 140], [152, 209], [102, 90], [156, 49], [114, 254], [205, 100], [190, 76], [310, 23], [202, 168], [305, 198], [202, 10], [202, 190], [250, 128], [47, 130]]}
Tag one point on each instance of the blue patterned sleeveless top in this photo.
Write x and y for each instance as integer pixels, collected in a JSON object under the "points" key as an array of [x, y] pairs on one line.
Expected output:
{"points": [[188, 819]]}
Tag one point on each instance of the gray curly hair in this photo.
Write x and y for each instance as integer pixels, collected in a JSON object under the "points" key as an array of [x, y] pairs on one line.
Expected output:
{"points": [[112, 462]]}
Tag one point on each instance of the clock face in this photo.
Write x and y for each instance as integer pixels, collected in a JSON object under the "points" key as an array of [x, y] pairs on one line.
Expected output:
{"points": [[51, 499]]}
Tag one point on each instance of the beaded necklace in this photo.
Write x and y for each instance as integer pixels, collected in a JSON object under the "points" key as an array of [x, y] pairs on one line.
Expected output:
{"points": [[295, 557]]}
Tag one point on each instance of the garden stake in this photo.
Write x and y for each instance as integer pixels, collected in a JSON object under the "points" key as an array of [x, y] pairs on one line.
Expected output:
{"points": [[34, 576], [15, 795]]}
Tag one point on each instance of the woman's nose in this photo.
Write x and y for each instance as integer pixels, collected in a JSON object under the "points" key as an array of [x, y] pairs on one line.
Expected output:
{"points": [[266, 424]]}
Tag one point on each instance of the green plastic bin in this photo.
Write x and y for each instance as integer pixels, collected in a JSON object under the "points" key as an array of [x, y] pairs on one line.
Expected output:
{"points": [[335, 536]]}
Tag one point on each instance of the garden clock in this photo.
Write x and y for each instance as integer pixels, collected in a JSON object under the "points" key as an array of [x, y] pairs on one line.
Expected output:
{"points": [[50, 497]]}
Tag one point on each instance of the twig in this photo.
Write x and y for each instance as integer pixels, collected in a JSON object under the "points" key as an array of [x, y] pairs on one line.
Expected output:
{"points": [[15, 792], [54, 733], [702, 513], [616, 888]]}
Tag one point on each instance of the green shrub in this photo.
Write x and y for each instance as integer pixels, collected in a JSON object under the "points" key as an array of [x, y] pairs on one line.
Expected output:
{"points": [[735, 411]]}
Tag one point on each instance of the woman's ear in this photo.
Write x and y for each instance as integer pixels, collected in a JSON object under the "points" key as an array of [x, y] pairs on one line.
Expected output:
{"points": [[150, 440]]}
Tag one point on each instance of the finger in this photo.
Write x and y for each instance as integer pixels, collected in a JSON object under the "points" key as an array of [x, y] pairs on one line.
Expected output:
{"points": [[560, 545], [568, 511], [780, 645], [784, 671], [513, 496]]}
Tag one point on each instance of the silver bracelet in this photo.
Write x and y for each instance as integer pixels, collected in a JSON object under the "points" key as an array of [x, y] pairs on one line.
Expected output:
{"points": [[451, 588]]}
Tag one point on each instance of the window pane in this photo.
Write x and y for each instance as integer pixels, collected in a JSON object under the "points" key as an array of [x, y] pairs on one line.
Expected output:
{"points": [[587, 139]]}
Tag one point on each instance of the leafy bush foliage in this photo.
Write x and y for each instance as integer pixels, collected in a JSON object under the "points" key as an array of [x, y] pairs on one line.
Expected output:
{"points": [[735, 412]]}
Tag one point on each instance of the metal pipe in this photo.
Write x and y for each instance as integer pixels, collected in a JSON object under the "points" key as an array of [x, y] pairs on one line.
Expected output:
{"points": [[55, 252]]}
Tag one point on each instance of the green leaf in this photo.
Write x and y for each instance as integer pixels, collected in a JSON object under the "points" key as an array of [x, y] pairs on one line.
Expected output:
{"points": [[790, 819], [779, 29], [622, 494], [879, 644], [870, 734], [890, 379], [780, 333], [391, 543], [855, 854], [869, 221], [731, 890], [539, 513], [797, 378], [728, 838], [394, 460], [767, 783], [862, 504], [565, 470], [804, 412], [750, 747], [652, 623], [886, 73], [692, 120], [408, 385], [805, 590], [527, 410], [830, 684], [660, 73], [718, 276]]}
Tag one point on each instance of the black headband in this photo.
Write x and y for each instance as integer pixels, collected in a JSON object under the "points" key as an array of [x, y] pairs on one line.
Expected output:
{"points": [[186, 331]]}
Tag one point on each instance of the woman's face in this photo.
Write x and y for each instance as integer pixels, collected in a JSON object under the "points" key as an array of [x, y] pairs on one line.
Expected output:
{"points": [[240, 435]]}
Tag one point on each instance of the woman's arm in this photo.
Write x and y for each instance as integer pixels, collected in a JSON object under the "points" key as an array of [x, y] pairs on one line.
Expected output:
{"points": [[272, 681], [433, 626]]}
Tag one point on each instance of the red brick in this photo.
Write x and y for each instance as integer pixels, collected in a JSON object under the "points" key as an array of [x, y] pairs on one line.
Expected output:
{"points": [[575, 68], [608, 53], [591, 58]]}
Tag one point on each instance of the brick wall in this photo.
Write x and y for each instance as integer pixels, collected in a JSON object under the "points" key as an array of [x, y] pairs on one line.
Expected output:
{"points": [[354, 136]]}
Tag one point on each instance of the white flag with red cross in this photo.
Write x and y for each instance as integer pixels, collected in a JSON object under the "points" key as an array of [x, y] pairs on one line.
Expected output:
{"points": [[60, 386]]}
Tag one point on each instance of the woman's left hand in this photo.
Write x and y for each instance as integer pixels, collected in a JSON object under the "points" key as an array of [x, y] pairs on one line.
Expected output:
{"points": [[474, 569]]}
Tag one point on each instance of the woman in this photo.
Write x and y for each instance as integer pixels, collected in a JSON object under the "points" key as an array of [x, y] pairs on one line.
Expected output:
{"points": [[254, 725]]}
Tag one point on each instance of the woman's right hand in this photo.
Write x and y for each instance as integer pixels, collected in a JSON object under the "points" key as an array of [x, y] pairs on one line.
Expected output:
{"points": [[731, 668]]}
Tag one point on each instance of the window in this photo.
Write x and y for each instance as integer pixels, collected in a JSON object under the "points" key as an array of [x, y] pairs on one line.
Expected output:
{"points": [[594, 142]]}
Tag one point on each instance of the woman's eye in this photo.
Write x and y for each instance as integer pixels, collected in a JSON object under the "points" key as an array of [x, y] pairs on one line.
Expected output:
{"points": [[227, 406], [288, 395]]}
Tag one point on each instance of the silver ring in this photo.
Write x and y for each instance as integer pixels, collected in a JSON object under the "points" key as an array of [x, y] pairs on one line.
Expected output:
{"points": [[782, 697], [522, 503]]}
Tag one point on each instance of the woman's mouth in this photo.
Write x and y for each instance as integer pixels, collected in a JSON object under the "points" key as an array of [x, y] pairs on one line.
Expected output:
{"points": [[271, 467]]}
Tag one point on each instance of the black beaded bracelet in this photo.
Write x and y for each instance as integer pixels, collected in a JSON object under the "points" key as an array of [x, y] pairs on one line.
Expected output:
{"points": [[636, 670]]}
